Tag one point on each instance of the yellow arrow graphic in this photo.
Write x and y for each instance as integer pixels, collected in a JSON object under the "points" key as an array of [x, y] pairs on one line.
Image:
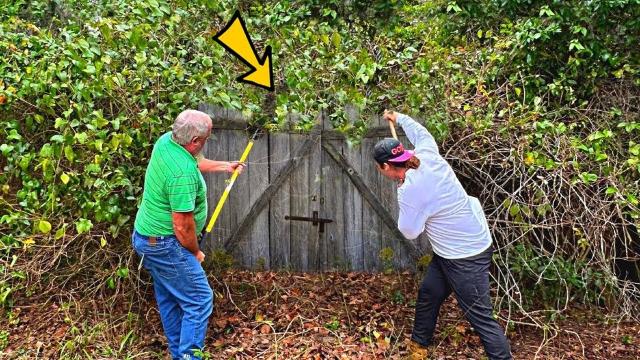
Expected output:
{"points": [[235, 38]]}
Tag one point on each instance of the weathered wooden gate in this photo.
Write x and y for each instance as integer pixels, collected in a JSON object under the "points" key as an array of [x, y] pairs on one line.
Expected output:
{"points": [[307, 201]]}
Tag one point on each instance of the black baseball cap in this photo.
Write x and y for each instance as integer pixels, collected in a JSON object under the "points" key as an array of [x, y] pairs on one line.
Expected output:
{"points": [[391, 150]]}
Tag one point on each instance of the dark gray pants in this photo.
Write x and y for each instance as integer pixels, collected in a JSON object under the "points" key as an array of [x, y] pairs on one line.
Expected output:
{"points": [[468, 278]]}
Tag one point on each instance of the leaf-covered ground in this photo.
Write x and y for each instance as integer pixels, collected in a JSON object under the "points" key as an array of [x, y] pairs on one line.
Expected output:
{"points": [[268, 315]]}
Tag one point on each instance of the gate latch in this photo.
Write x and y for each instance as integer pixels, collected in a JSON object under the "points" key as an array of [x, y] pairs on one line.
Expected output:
{"points": [[315, 220]]}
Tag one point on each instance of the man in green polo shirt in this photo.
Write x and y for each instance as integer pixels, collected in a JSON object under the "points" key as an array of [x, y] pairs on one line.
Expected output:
{"points": [[173, 211]]}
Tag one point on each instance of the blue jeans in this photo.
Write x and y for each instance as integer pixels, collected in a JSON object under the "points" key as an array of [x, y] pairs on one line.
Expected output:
{"points": [[183, 294]]}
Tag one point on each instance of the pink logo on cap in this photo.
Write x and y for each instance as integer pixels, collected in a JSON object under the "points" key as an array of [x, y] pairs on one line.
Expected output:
{"points": [[397, 150], [400, 154]]}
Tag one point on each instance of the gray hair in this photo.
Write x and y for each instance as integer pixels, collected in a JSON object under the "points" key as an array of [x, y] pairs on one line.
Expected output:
{"points": [[190, 124]]}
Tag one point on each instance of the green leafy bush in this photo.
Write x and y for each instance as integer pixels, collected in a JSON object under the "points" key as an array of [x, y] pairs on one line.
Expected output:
{"points": [[565, 49], [554, 281]]}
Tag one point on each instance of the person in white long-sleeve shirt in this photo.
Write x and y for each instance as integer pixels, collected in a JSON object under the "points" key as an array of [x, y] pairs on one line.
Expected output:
{"points": [[432, 200]]}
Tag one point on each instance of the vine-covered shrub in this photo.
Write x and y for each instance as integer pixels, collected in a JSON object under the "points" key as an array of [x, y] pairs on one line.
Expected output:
{"points": [[535, 103], [563, 49]]}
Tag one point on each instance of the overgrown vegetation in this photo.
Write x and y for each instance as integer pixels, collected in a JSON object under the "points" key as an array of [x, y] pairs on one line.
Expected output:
{"points": [[536, 103]]}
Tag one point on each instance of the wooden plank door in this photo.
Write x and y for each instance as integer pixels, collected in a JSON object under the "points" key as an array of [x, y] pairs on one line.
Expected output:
{"points": [[293, 179]]}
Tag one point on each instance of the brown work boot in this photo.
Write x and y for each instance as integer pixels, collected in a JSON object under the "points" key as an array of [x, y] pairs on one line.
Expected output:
{"points": [[417, 351]]}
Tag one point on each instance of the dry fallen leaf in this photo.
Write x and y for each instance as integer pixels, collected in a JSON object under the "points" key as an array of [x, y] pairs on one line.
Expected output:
{"points": [[218, 343]]}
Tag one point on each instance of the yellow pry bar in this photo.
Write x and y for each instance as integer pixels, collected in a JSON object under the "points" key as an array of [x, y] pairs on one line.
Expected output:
{"points": [[225, 194]]}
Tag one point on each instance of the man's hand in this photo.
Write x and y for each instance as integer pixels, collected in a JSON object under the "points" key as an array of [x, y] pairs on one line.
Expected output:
{"points": [[390, 116], [200, 256], [233, 165], [206, 165]]}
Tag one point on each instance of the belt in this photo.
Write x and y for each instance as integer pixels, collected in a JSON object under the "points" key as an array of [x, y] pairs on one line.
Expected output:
{"points": [[153, 239]]}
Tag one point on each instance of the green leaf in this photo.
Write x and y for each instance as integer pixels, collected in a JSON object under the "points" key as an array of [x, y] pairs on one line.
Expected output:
{"points": [[103, 242], [619, 73], [98, 144], [545, 11], [44, 226], [81, 137], [5, 149], [140, 57], [111, 283], [453, 7], [588, 177], [100, 122], [64, 178], [122, 273], [90, 69], [83, 226], [13, 135], [57, 138], [336, 39], [69, 154], [575, 44], [67, 113], [60, 232], [543, 209], [92, 168], [224, 97], [60, 123], [5, 294]]}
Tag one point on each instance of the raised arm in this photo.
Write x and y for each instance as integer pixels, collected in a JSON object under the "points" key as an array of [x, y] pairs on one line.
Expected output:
{"points": [[417, 134]]}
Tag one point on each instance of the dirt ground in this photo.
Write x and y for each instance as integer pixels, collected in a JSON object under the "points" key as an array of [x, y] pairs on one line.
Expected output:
{"points": [[268, 315]]}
